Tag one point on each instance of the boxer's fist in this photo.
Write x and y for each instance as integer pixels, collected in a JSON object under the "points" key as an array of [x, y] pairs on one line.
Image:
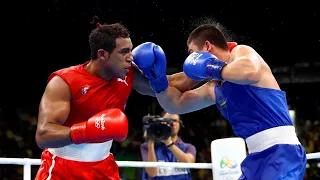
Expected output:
{"points": [[151, 60], [202, 65], [110, 124]]}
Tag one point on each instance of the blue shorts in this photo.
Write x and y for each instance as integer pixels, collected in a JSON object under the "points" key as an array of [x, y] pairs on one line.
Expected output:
{"points": [[279, 162]]}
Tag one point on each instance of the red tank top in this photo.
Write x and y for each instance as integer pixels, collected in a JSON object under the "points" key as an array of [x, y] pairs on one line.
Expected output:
{"points": [[91, 94]]}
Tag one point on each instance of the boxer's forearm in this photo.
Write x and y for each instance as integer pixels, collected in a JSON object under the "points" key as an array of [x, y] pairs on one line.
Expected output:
{"points": [[175, 102], [53, 136], [170, 100], [181, 81]]}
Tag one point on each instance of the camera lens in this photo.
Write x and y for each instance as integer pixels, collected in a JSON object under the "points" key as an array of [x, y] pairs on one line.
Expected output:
{"points": [[158, 132], [159, 129]]}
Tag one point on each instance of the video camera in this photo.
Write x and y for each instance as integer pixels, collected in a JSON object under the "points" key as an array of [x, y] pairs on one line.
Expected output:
{"points": [[159, 128]]}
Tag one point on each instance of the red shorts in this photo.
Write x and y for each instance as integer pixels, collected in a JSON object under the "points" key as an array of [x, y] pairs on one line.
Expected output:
{"points": [[56, 168]]}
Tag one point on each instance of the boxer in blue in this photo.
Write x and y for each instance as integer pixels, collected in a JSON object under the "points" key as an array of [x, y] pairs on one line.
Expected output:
{"points": [[245, 91]]}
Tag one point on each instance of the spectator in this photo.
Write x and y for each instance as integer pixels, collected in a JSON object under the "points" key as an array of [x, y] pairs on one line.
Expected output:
{"points": [[172, 149]]}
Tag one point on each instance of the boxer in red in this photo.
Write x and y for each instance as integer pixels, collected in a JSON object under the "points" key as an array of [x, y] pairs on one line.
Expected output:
{"points": [[81, 110]]}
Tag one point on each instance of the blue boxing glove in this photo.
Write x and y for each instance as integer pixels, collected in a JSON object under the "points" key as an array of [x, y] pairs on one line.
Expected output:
{"points": [[203, 65], [151, 60]]}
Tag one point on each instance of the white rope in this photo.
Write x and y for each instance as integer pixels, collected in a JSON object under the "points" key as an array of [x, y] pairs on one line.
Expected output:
{"points": [[164, 164], [20, 161], [313, 155], [138, 164]]}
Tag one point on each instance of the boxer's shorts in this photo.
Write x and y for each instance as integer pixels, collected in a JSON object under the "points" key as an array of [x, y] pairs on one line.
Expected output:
{"points": [[279, 162], [56, 168]]}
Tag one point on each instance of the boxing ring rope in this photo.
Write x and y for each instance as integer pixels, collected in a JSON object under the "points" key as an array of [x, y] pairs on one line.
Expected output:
{"points": [[27, 162]]}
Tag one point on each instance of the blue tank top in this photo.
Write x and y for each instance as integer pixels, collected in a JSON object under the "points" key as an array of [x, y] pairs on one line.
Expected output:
{"points": [[251, 109], [163, 154]]}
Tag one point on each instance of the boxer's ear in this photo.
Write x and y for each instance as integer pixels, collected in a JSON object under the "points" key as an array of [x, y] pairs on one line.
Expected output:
{"points": [[103, 54], [208, 46]]}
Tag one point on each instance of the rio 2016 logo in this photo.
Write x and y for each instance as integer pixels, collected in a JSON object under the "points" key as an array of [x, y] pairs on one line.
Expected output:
{"points": [[226, 162]]}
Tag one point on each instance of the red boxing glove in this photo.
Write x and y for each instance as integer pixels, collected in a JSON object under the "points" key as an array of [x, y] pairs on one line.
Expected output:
{"points": [[110, 124], [232, 45]]}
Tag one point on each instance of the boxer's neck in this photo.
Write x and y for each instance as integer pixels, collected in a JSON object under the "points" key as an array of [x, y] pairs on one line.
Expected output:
{"points": [[95, 68], [223, 55]]}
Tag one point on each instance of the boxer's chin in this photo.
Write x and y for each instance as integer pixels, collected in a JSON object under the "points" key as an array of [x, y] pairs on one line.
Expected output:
{"points": [[122, 76], [125, 72]]}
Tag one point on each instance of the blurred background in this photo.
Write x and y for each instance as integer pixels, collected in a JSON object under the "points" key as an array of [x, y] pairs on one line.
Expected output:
{"points": [[48, 35]]}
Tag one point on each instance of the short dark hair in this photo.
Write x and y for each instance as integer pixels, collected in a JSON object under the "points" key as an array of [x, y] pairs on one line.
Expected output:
{"points": [[208, 32], [164, 112], [104, 36]]}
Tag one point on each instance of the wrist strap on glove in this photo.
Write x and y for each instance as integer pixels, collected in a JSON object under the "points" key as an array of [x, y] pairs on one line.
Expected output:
{"points": [[160, 84], [214, 69]]}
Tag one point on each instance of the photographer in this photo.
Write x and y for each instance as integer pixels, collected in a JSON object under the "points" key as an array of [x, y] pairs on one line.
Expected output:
{"points": [[164, 145]]}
